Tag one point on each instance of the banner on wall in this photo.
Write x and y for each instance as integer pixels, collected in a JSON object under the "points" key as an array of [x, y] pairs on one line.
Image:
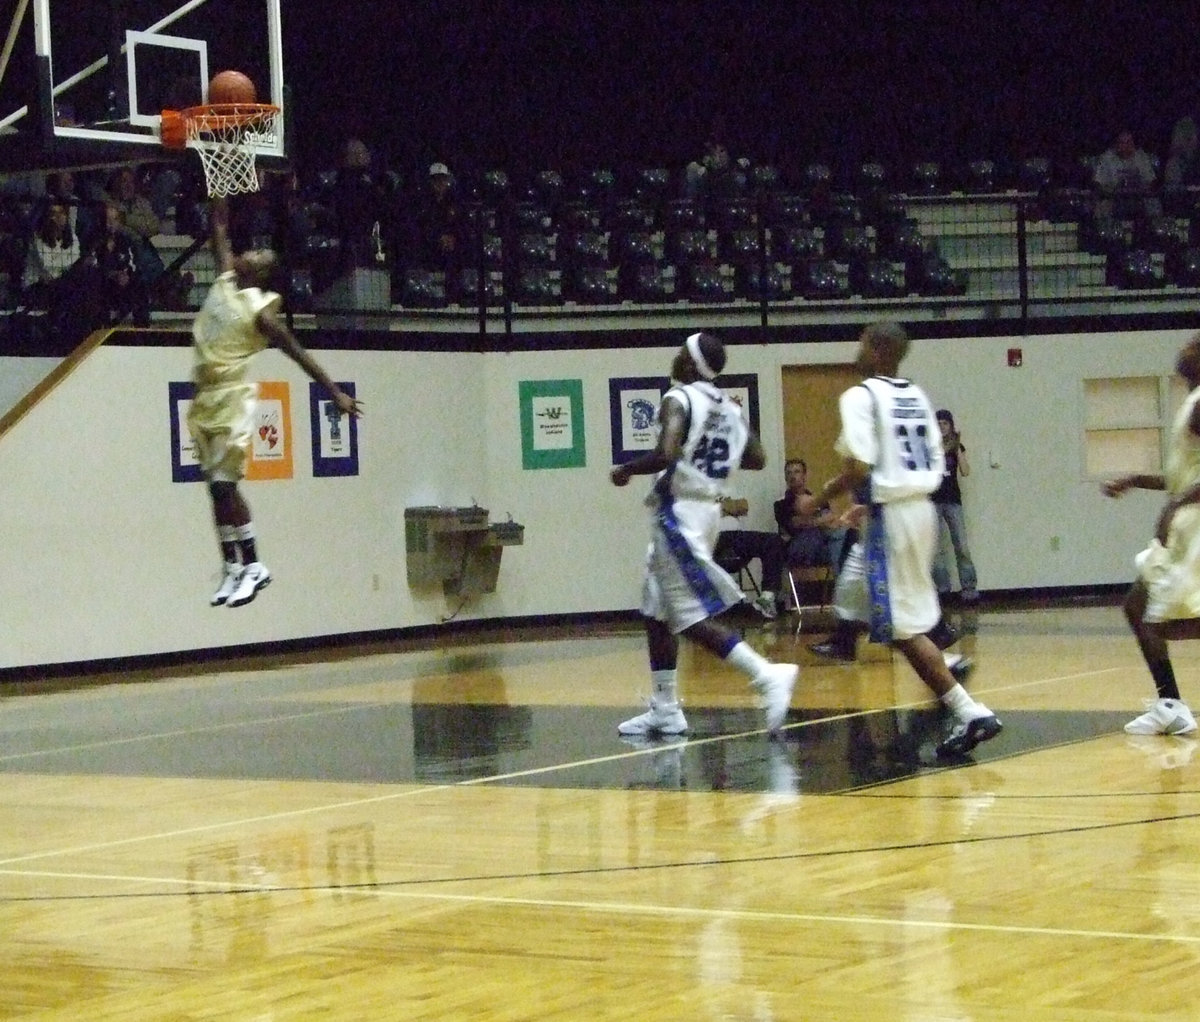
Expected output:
{"points": [[271, 438], [271, 443], [632, 408], [743, 388], [334, 433], [552, 433], [185, 468]]}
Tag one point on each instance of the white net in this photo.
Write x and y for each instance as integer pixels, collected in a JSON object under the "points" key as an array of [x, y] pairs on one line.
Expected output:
{"points": [[226, 137]]}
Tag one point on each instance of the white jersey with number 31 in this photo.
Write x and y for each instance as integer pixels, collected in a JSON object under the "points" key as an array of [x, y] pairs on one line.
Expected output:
{"points": [[890, 425]]}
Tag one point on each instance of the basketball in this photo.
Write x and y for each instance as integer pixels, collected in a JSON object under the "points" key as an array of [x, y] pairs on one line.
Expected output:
{"points": [[231, 87]]}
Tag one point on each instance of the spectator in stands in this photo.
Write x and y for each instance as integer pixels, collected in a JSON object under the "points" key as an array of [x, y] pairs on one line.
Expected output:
{"points": [[439, 223], [116, 255], [57, 278], [1182, 166], [53, 249], [1125, 177], [360, 206], [140, 222]]}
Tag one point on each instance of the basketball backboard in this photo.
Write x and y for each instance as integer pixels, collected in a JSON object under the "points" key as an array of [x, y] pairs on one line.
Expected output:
{"points": [[104, 72]]}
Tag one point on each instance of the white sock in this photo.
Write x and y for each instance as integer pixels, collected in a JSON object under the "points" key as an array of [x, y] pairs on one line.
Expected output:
{"points": [[664, 686], [746, 660], [958, 702]]}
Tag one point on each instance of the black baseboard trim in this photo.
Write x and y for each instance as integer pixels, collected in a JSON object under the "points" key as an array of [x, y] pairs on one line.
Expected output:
{"points": [[255, 656]]}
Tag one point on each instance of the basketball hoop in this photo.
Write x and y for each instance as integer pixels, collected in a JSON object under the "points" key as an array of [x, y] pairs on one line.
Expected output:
{"points": [[225, 135]]}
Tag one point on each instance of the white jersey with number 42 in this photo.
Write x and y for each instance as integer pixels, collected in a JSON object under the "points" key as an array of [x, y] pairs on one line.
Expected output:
{"points": [[712, 450], [890, 425]]}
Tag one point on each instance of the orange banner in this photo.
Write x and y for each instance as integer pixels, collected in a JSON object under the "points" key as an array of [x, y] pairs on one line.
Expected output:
{"points": [[271, 450]]}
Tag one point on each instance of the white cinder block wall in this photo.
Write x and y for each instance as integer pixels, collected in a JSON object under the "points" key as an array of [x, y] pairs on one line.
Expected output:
{"points": [[106, 557]]}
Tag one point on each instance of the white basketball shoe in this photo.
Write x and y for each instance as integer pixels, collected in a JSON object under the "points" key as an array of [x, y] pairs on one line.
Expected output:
{"points": [[254, 576]]}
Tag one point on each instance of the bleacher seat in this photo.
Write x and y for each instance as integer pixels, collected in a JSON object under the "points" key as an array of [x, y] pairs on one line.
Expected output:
{"points": [[1034, 174], [1162, 234], [494, 186], [824, 279], [936, 277], [538, 286], [1183, 267], [926, 178], [754, 281], [981, 176], [879, 278], [902, 240], [531, 216], [651, 184], [799, 244], [536, 249], [1104, 236], [870, 178], [741, 246], [648, 282], [467, 291], [786, 209], [818, 177], [579, 216], [637, 248], [592, 285], [709, 282], [1137, 269], [691, 246], [735, 214], [630, 215], [584, 248], [764, 177], [548, 186], [682, 214], [423, 289], [596, 187], [847, 241]]}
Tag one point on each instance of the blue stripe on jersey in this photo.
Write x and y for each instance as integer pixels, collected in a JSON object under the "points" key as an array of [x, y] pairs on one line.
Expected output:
{"points": [[697, 579], [875, 553]]}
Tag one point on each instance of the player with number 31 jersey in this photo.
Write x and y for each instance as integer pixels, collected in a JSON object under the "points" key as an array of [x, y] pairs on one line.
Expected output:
{"points": [[890, 425]]}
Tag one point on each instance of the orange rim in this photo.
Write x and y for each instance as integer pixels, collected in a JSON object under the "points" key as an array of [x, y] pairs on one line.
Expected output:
{"points": [[216, 116]]}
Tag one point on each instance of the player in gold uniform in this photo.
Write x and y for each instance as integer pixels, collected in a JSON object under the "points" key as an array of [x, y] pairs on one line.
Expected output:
{"points": [[1164, 602], [239, 318]]}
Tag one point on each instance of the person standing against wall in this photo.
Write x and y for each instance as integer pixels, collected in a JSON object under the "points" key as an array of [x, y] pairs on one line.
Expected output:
{"points": [[947, 499]]}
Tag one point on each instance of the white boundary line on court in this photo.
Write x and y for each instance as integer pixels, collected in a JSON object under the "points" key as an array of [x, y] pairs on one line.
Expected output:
{"points": [[641, 908]]}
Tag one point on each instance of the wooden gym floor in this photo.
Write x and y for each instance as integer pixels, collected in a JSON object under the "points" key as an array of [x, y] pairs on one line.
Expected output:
{"points": [[456, 832]]}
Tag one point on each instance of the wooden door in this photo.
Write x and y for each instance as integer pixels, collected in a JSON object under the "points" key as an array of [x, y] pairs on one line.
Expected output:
{"points": [[810, 415]]}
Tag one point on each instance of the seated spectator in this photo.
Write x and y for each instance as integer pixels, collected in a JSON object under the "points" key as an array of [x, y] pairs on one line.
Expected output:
{"points": [[1125, 177], [1182, 167], [738, 545], [116, 258], [123, 193], [57, 278], [52, 250], [439, 223], [360, 206], [811, 541]]}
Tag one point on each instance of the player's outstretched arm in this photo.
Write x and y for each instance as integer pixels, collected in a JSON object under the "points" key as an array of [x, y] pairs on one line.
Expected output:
{"points": [[280, 336], [1137, 481], [218, 225]]}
